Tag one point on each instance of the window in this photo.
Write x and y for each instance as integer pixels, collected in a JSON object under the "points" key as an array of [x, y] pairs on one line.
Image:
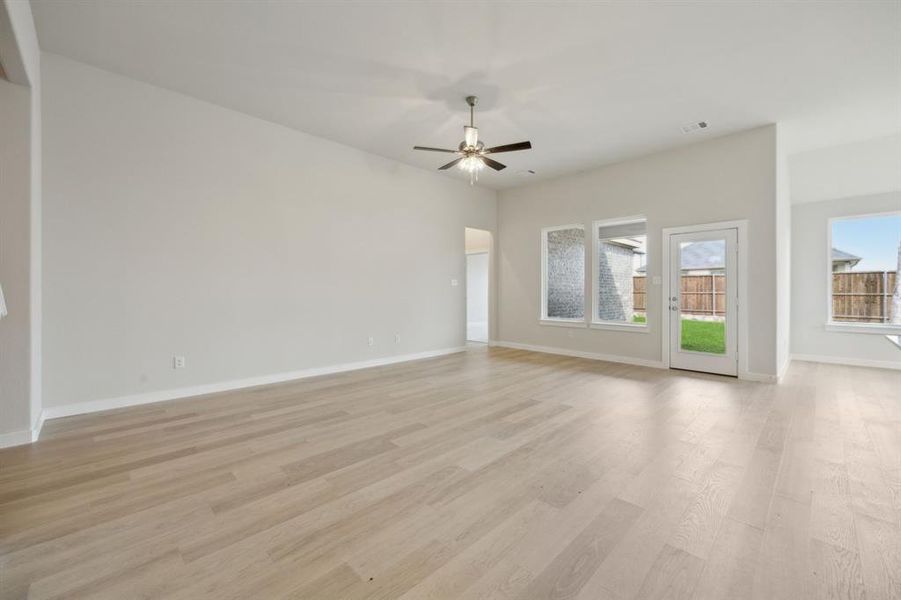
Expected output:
{"points": [[864, 259], [619, 273], [563, 274]]}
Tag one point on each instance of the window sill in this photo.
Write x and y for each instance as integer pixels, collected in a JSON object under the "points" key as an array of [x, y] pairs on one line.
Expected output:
{"points": [[562, 322], [863, 328], [633, 327]]}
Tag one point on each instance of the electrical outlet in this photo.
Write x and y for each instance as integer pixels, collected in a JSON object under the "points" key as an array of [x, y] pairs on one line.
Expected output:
{"points": [[371, 341], [396, 338], [657, 280], [178, 362]]}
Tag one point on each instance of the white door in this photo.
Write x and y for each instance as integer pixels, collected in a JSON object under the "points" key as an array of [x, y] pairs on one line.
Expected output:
{"points": [[703, 292]]}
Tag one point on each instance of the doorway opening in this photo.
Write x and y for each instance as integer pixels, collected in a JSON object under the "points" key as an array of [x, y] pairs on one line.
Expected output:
{"points": [[478, 248]]}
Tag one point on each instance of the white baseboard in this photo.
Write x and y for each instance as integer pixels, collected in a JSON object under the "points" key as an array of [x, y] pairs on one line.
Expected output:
{"points": [[765, 377], [628, 360], [26, 436], [39, 424], [851, 362], [16, 438], [783, 369], [758, 377], [656, 364], [55, 412]]}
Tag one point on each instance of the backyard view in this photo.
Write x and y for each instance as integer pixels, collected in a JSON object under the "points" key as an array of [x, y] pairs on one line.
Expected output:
{"points": [[700, 336], [702, 295], [866, 255]]}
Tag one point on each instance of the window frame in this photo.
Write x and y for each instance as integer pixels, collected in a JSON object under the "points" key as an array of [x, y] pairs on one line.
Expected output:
{"points": [[594, 322], [845, 326], [543, 317]]}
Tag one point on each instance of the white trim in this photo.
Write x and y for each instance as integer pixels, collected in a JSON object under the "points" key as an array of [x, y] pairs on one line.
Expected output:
{"points": [[542, 250], [742, 226], [595, 284], [16, 438], [840, 327], [38, 426], [613, 326], [783, 368], [579, 323], [851, 362], [737, 224], [28, 436], [628, 360], [758, 377], [55, 412]]}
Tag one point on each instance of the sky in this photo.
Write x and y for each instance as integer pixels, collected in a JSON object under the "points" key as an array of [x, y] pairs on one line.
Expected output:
{"points": [[874, 239]]}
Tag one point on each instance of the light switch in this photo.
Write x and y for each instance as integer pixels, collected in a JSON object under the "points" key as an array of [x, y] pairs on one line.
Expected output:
{"points": [[657, 280], [454, 283]]}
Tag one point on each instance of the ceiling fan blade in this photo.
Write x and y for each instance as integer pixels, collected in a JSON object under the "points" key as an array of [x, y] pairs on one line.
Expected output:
{"points": [[509, 148], [434, 149], [450, 164], [493, 163]]}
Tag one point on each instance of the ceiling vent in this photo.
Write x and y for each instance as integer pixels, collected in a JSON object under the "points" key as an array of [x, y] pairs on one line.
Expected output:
{"points": [[694, 126]]}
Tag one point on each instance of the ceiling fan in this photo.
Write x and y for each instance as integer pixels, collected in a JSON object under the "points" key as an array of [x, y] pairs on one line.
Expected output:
{"points": [[473, 151]]}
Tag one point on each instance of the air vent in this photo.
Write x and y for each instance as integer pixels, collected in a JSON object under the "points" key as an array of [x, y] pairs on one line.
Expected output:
{"points": [[694, 126]]}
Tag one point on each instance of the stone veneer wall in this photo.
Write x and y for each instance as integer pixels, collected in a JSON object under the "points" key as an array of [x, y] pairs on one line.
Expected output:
{"points": [[615, 282], [566, 274]]}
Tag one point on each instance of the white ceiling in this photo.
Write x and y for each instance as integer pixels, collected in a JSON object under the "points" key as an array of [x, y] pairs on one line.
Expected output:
{"points": [[587, 83]]}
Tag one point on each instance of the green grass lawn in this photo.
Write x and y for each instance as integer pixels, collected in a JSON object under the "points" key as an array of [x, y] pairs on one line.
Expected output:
{"points": [[700, 336]]}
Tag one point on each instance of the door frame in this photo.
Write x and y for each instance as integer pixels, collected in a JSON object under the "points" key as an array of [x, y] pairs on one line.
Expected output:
{"points": [[492, 283], [741, 304]]}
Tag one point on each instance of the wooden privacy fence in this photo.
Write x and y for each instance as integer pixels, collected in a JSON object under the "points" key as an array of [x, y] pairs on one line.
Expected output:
{"points": [[864, 297], [701, 294]]}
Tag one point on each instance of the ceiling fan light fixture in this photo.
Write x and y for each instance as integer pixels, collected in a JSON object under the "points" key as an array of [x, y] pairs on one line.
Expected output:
{"points": [[471, 135], [472, 164]]}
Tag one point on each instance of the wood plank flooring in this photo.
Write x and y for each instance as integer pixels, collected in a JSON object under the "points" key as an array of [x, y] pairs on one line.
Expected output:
{"points": [[493, 473]]}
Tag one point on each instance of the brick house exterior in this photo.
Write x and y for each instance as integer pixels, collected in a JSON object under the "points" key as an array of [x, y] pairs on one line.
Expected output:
{"points": [[615, 270], [566, 274]]}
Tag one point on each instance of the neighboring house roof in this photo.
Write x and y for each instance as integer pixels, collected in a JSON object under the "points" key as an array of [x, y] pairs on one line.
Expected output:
{"points": [[698, 256], [842, 256]]}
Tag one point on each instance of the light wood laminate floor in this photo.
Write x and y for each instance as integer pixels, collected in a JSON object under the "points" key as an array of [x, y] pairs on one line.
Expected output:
{"points": [[489, 474]]}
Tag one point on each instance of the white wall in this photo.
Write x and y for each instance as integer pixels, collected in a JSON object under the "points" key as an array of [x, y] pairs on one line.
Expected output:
{"points": [[20, 225], [857, 178], [726, 178], [809, 285], [477, 297], [173, 226], [863, 168], [15, 106]]}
